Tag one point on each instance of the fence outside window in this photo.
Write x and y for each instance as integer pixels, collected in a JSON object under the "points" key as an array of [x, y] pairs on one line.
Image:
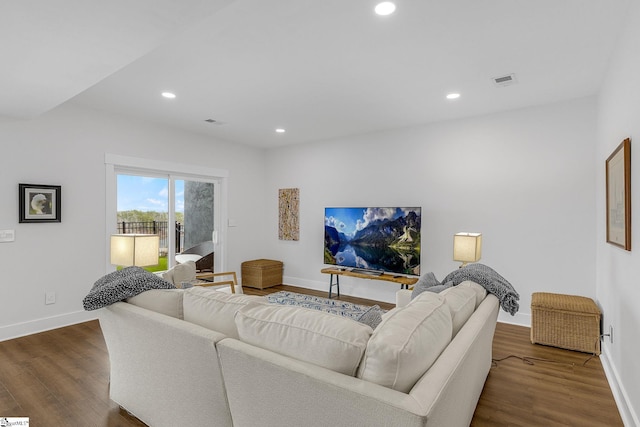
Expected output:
{"points": [[155, 227]]}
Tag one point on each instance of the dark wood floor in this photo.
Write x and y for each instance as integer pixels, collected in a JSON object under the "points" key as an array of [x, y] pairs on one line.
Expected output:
{"points": [[61, 378]]}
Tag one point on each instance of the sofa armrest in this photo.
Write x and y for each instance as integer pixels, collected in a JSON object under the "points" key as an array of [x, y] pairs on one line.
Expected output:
{"points": [[403, 297], [459, 374], [163, 369]]}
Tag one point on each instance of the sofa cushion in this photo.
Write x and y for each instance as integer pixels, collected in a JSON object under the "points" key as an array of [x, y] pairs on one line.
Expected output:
{"points": [[214, 310], [480, 291], [462, 303], [407, 342], [324, 339], [165, 301]]}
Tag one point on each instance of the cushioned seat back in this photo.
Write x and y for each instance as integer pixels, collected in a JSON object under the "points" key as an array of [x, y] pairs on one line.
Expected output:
{"points": [[407, 342], [480, 291], [324, 339], [462, 303], [165, 301], [214, 310]]}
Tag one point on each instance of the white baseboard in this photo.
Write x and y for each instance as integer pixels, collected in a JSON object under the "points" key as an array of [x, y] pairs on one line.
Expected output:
{"points": [[40, 325], [306, 283], [522, 319], [627, 412]]}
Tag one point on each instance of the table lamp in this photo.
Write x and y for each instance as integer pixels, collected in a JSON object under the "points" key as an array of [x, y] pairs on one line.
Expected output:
{"points": [[467, 247], [138, 250]]}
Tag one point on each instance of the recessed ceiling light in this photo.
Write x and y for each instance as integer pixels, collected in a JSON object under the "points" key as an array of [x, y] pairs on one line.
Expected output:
{"points": [[453, 96], [385, 8], [280, 130], [169, 95]]}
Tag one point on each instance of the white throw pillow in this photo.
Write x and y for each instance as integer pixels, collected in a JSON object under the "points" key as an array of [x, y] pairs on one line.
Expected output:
{"points": [[214, 310], [184, 272], [462, 303], [165, 301], [480, 291], [324, 339], [407, 342]]}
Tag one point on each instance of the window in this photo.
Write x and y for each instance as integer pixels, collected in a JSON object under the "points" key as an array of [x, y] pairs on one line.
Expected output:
{"points": [[185, 205]]}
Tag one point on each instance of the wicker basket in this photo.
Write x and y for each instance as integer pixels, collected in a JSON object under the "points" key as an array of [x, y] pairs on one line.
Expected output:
{"points": [[261, 273], [565, 321]]}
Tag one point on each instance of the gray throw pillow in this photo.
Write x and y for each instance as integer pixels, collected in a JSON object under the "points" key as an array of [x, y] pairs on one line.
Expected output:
{"points": [[371, 317], [426, 281]]}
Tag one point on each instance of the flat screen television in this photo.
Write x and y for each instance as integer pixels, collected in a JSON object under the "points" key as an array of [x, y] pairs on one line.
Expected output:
{"points": [[373, 240]]}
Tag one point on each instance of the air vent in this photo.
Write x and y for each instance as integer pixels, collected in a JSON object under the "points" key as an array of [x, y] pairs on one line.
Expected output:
{"points": [[506, 80]]}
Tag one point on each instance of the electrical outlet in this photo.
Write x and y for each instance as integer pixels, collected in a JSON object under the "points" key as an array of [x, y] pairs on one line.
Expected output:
{"points": [[611, 334], [49, 298]]}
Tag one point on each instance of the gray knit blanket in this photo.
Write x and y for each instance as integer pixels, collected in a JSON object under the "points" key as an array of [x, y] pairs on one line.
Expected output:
{"points": [[491, 281], [120, 285]]}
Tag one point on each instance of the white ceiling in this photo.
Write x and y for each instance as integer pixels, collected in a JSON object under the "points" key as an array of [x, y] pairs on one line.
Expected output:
{"points": [[319, 69]]}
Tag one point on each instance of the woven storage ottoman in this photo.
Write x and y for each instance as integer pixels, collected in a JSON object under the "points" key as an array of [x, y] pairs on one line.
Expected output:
{"points": [[565, 321], [261, 273]]}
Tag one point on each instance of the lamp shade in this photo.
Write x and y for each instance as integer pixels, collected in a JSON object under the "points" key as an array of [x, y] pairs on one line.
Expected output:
{"points": [[467, 247], [134, 249]]}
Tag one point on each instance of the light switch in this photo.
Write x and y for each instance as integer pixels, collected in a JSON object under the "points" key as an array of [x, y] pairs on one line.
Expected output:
{"points": [[7, 235]]}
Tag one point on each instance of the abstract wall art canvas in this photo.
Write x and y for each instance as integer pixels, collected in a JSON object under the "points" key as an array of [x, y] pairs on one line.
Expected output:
{"points": [[288, 214]]}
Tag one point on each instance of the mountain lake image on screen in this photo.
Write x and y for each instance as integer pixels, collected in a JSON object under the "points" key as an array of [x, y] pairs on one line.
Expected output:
{"points": [[373, 239]]}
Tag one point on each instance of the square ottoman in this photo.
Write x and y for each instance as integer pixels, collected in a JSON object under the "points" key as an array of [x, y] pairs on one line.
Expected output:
{"points": [[565, 321], [261, 273]]}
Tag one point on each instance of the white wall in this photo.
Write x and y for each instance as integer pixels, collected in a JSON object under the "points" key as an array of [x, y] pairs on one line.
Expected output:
{"points": [[618, 271], [67, 147], [523, 178]]}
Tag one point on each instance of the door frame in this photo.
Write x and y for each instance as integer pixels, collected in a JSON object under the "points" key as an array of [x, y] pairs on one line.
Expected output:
{"points": [[115, 164]]}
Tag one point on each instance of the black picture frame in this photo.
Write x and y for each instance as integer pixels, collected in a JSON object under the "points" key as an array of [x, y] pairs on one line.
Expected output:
{"points": [[39, 203]]}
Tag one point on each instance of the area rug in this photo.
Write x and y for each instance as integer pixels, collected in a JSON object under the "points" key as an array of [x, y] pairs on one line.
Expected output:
{"points": [[370, 315]]}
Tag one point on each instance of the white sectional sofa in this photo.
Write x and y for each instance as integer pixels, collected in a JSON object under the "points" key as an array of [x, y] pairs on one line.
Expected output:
{"points": [[204, 358]]}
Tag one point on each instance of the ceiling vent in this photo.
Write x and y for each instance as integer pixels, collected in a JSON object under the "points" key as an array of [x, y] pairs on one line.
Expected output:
{"points": [[506, 80]]}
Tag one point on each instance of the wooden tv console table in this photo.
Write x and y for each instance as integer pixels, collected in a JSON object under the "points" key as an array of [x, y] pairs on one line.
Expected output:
{"points": [[404, 281]]}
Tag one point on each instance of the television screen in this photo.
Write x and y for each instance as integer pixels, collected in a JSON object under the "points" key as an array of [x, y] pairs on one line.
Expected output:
{"points": [[373, 239]]}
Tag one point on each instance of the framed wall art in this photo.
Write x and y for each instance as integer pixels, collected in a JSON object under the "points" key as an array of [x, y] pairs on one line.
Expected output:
{"points": [[618, 176], [288, 214], [39, 203]]}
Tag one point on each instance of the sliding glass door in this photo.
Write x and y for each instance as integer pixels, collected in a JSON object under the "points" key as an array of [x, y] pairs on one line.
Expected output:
{"points": [[185, 210]]}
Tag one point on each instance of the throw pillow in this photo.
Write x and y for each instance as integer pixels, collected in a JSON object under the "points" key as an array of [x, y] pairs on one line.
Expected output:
{"points": [[323, 339], [185, 272], [120, 285], [371, 317], [425, 282]]}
